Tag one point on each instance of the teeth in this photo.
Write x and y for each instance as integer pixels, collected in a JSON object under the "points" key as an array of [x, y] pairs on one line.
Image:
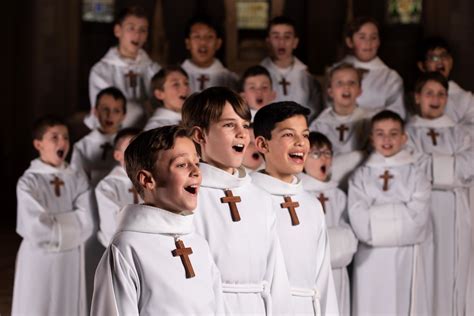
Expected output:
{"points": [[297, 154], [239, 145]]}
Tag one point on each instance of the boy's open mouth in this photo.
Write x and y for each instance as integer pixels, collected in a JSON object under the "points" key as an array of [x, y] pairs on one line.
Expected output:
{"points": [[182, 97], [238, 148], [435, 106], [60, 153], [387, 146], [191, 189], [297, 157], [135, 43], [281, 51], [323, 169], [202, 50], [256, 155], [346, 95], [259, 101], [109, 123]]}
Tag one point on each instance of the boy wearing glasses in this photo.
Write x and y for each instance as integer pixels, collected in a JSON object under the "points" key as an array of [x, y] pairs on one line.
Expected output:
{"points": [[334, 202]]}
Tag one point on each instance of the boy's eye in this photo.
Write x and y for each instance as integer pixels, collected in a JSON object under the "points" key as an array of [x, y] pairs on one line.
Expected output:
{"points": [[182, 165], [229, 124], [246, 125], [288, 135]]}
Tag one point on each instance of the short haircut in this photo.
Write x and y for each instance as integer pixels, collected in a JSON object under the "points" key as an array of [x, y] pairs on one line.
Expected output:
{"points": [[387, 115], [113, 92], [201, 109], [355, 25], [41, 125], [430, 76], [136, 11], [143, 151], [344, 66], [202, 19], [159, 79], [278, 20], [253, 71], [125, 132], [267, 117], [429, 44], [319, 140]]}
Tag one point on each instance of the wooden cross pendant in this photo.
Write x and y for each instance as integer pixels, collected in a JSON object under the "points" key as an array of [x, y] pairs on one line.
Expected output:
{"points": [[57, 185], [184, 253], [132, 79], [232, 200], [135, 195], [433, 134], [323, 200], [290, 205], [284, 84], [386, 176], [342, 128], [105, 148], [202, 81]]}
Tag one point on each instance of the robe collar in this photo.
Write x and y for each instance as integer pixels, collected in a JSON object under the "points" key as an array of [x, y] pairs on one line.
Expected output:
{"points": [[118, 172], [313, 184], [375, 63], [330, 116], [275, 186], [213, 177], [113, 57], [297, 65], [148, 219], [214, 67], [38, 166], [96, 135], [440, 122], [403, 157], [163, 112]]}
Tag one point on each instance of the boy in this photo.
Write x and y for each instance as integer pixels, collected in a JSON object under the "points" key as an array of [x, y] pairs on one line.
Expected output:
{"points": [[341, 237], [281, 131], [54, 220], [256, 88], [435, 55], [125, 66], [93, 153], [115, 190], [291, 78], [170, 88], [203, 40], [234, 215], [156, 264], [448, 152], [389, 199]]}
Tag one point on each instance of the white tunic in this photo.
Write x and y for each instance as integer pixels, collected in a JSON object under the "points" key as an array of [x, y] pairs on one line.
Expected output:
{"points": [[163, 117], [114, 70], [247, 252], [382, 87], [450, 166], [301, 86], [212, 76], [112, 193], [94, 155], [50, 271], [460, 106], [139, 275], [305, 247], [393, 266], [342, 240]]}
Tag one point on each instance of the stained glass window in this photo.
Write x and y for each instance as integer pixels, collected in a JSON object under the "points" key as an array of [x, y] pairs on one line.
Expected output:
{"points": [[404, 11], [252, 15], [98, 10]]}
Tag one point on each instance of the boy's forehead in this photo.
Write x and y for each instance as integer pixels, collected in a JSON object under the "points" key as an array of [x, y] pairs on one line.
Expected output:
{"points": [[387, 124], [344, 72], [133, 19], [109, 100], [182, 147], [295, 122], [257, 79], [282, 28], [202, 28]]}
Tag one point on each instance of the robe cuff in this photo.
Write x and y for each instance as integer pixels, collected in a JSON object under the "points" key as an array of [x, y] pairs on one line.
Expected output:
{"points": [[69, 233], [344, 164], [343, 246], [385, 226], [443, 170]]}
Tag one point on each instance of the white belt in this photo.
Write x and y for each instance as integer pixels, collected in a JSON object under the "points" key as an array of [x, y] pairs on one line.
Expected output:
{"points": [[262, 288], [307, 292]]}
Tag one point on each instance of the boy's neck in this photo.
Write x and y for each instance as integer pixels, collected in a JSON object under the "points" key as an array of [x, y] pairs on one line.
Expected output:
{"points": [[125, 54], [206, 64], [51, 164], [165, 106], [288, 178], [227, 169], [105, 133], [344, 111], [283, 63]]}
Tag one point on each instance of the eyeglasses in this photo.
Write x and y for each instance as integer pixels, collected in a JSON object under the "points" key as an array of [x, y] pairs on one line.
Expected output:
{"points": [[435, 58], [318, 154]]}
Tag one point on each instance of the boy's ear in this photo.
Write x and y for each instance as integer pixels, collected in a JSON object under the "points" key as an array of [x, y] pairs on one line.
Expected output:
{"points": [[261, 144], [37, 144], [198, 136], [273, 95], [421, 66], [330, 94], [404, 138], [117, 30], [218, 43], [118, 155], [94, 112], [159, 94], [146, 180], [417, 98], [187, 43], [295, 43], [349, 42]]}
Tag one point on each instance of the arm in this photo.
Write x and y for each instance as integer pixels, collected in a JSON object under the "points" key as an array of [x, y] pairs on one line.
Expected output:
{"points": [[108, 207], [359, 204]]}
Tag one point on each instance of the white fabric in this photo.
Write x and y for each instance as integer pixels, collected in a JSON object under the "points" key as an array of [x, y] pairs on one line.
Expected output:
{"points": [[394, 263], [305, 246], [247, 252], [343, 166], [460, 106], [342, 240], [50, 271], [163, 117], [382, 87], [303, 87], [112, 193], [216, 74], [450, 206], [112, 70], [138, 274]]}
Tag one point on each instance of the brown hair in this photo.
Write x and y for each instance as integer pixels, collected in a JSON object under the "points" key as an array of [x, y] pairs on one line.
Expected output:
{"points": [[344, 66], [136, 11], [41, 125], [430, 76]]}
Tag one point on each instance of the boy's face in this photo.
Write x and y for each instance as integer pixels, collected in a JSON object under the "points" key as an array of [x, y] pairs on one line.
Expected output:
{"points": [[203, 44], [119, 152], [54, 145], [252, 158], [224, 144], [258, 91], [177, 177], [110, 113], [432, 100], [365, 42], [132, 34], [319, 163], [175, 91], [344, 90], [387, 137], [438, 60], [282, 40], [285, 153]]}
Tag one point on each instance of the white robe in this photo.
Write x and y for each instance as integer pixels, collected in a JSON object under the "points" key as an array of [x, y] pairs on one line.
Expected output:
{"points": [[460, 106], [50, 270], [342, 240], [450, 166], [138, 274], [303, 87], [112, 193], [112, 70], [247, 252], [216, 75], [393, 267], [305, 247], [163, 117], [382, 87]]}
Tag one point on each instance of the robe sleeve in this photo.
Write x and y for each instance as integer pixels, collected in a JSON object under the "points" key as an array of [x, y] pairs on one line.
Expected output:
{"points": [[116, 286], [394, 100], [464, 157], [108, 207]]}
